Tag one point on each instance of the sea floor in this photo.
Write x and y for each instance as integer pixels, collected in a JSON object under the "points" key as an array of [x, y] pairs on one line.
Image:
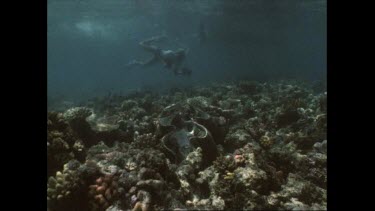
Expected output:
{"points": [[237, 146]]}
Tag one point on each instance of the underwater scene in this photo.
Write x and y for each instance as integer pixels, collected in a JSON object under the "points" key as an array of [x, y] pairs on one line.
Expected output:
{"points": [[186, 105]]}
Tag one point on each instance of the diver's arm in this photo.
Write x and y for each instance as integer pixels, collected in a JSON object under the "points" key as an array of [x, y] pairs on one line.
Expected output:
{"points": [[150, 61], [148, 41], [151, 48], [146, 45]]}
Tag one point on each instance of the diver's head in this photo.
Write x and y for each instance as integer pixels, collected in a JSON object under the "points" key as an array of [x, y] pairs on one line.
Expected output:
{"points": [[181, 53]]}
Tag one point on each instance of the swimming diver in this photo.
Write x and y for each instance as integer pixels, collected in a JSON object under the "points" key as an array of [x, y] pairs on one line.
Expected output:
{"points": [[171, 59]]}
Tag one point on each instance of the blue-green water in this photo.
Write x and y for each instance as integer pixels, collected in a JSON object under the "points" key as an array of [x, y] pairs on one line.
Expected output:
{"points": [[90, 43]]}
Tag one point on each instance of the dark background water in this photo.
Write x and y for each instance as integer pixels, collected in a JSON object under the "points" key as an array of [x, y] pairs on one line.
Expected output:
{"points": [[91, 41]]}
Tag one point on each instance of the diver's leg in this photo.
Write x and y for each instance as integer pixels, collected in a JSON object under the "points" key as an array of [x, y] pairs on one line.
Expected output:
{"points": [[157, 38], [134, 63]]}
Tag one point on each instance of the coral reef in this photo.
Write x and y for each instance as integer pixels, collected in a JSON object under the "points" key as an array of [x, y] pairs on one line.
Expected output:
{"points": [[238, 146], [104, 191], [298, 194], [62, 144], [66, 191], [77, 119]]}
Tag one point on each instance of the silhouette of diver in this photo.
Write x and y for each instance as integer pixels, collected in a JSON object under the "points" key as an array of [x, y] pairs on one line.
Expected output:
{"points": [[171, 59]]}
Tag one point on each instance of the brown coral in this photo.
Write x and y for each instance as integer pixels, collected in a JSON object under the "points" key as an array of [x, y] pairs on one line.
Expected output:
{"points": [[104, 191]]}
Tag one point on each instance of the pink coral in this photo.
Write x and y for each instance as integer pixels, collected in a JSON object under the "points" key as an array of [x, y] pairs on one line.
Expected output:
{"points": [[103, 192], [239, 159]]}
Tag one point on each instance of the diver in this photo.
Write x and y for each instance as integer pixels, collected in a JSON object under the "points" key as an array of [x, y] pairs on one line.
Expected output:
{"points": [[171, 59]]}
